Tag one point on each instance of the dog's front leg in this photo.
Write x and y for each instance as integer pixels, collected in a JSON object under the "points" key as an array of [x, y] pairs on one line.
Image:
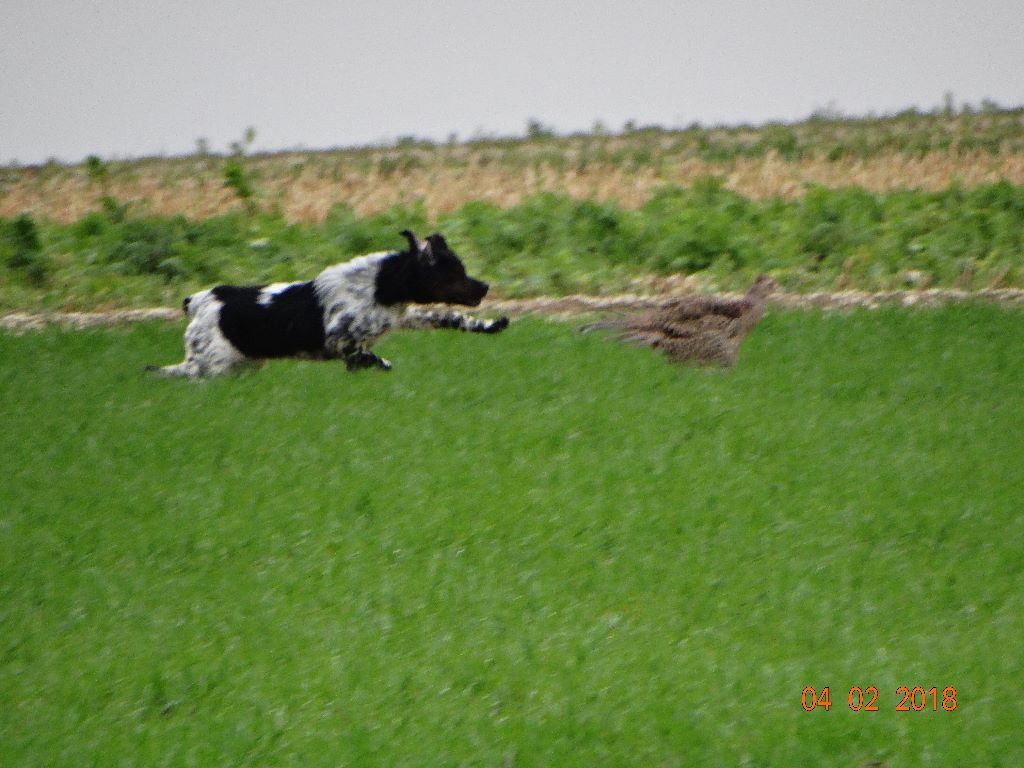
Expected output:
{"points": [[349, 340], [355, 354], [422, 319]]}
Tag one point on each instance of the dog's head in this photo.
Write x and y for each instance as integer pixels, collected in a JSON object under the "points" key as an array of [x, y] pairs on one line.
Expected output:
{"points": [[429, 272]]}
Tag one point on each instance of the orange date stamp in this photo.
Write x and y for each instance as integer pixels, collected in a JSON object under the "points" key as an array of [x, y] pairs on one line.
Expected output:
{"points": [[916, 699]]}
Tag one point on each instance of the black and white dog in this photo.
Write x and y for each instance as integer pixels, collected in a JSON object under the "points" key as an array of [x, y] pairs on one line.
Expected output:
{"points": [[337, 315]]}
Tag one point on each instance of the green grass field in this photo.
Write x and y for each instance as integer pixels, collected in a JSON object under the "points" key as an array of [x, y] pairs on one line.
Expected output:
{"points": [[526, 550]]}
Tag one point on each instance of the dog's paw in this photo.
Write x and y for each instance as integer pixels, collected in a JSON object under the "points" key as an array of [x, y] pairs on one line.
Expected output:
{"points": [[362, 359], [496, 326]]}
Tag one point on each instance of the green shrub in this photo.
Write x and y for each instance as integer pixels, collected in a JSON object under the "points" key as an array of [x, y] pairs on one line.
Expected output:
{"points": [[92, 225], [115, 211], [23, 237], [237, 179], [351, 234], [96, 169], [147, 246], [22, 249]]}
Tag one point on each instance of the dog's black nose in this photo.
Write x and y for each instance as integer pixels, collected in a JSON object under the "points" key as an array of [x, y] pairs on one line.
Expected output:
{"points": [[480, 290]]}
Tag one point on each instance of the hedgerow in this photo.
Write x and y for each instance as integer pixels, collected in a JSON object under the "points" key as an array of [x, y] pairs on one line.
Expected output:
{"points": [[548, 244]]}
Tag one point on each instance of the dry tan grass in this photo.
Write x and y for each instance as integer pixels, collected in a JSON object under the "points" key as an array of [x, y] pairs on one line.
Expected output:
{"points": [[304, 187]]}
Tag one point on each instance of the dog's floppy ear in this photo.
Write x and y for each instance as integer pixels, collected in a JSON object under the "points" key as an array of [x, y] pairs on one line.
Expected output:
{"points": [[414, 244], [437, 240], [427, 252]]}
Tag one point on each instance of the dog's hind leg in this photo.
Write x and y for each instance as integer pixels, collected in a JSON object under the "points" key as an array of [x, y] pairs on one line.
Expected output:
{"points": [[424, 319], [207, 351], [199, 367], [182, 369]]}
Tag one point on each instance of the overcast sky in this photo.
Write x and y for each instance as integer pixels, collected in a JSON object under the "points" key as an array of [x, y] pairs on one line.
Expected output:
{"points": [[128, 79]]}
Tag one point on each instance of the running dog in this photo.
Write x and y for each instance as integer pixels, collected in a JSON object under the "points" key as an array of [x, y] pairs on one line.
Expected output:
{"points": [[339, 314]]}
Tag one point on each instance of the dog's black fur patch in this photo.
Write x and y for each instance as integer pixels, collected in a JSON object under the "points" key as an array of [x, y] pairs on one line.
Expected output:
{"points": [[289, 325]]}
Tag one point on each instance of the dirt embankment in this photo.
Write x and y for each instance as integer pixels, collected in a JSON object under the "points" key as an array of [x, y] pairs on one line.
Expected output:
{"points": [[567, 306]]}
